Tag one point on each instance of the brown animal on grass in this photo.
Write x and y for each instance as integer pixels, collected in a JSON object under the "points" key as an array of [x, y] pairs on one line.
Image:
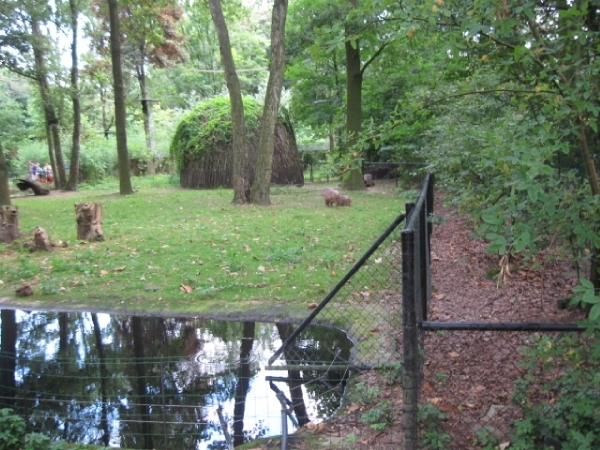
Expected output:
{"points": [[330, 195], [344, 201]]}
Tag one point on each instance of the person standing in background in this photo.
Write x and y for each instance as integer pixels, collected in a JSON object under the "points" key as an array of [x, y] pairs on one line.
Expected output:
{"points": [[48, 170], [40, 175], [32, 174]]}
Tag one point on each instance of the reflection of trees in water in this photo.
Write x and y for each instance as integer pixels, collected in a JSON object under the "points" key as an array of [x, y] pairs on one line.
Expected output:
{"points": [[75, 376], [104, 376], [325, 347], [295, 382], [8, 353], [243, 384]]}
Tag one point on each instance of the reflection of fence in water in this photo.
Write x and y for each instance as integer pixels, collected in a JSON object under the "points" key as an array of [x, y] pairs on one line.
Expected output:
{"points": [[116, 387], [177, 409]]}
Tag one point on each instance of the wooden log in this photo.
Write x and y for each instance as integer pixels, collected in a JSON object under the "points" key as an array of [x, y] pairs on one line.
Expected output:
{"points": [[89, 221], [41, 240], [9, 223], [36, 187]]}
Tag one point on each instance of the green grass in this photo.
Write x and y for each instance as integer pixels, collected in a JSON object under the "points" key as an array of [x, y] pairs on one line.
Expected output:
{"points": [[240, 260]]}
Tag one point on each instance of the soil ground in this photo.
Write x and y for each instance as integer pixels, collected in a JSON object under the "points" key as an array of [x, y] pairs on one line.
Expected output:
{"points": [[467, 375]]}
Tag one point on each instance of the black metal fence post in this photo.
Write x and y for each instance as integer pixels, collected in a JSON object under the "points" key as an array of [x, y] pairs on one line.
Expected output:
{"points": [[410, 342], [416, 291]]}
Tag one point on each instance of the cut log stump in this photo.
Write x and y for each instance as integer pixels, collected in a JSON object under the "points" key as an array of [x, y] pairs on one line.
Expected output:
{"points": [[41, 240], [9, 223], [89, 221]]}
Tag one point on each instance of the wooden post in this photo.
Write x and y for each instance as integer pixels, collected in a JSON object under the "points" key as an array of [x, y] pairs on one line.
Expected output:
{"points": [[9, 223], [89, 221]]}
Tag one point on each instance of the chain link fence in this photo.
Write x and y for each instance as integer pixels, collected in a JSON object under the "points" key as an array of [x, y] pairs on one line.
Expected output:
{"points": [[366, 304]]}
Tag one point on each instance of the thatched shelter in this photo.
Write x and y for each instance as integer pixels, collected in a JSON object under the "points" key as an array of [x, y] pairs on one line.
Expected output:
{"points": [[202, 147]]}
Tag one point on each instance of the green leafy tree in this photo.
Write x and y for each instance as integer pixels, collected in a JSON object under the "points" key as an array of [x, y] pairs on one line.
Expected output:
{"points": [[149, 38], [27, 50], [201, 76], [349, 37], [548, 51]]}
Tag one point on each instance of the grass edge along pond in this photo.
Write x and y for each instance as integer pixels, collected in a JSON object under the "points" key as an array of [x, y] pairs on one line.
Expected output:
{"points": [[170, 250]]}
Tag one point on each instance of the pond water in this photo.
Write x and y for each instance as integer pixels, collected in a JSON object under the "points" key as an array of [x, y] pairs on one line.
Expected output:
{"points": [[160, 383]]}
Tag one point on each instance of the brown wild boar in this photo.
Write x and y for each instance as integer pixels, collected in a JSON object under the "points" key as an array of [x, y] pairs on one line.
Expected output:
{"points": [[344, 201], [330, 195]]}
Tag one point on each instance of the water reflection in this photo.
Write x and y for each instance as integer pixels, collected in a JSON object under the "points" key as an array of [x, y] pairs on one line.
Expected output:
{"points": [[156, 383]]}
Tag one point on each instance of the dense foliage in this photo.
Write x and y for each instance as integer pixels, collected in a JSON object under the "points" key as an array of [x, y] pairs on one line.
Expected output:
{"points": [[570, 420]]}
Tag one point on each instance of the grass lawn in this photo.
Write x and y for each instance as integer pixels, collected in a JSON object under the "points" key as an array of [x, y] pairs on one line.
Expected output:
{"points": [[192, 251]]}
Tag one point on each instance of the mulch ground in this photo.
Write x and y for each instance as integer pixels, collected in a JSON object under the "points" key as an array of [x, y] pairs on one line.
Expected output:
{"points": [[468, 375]]}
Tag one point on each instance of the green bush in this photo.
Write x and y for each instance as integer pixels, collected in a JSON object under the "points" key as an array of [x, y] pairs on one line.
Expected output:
{"points": [[572, 416], [12, 430]]}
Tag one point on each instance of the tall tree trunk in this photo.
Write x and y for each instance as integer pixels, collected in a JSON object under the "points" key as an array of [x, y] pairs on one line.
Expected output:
{"points": [[4, 179], [52, 130], [71, 185], [260, 192], [125, 187], [148, 117], [239, 175], [106, 124], [52, 156], [9, 215], [353, 179], [592, 176]]}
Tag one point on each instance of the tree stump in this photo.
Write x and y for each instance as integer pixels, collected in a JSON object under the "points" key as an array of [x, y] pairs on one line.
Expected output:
{"points": [[41, 241], [9, 223], [89, 221]]}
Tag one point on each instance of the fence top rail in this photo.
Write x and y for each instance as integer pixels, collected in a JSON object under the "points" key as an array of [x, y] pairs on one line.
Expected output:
{"points": [[411, 220], [499, 326]]}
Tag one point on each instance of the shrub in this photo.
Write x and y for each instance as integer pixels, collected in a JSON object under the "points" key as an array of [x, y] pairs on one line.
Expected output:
{"points": [[12, 430]]}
